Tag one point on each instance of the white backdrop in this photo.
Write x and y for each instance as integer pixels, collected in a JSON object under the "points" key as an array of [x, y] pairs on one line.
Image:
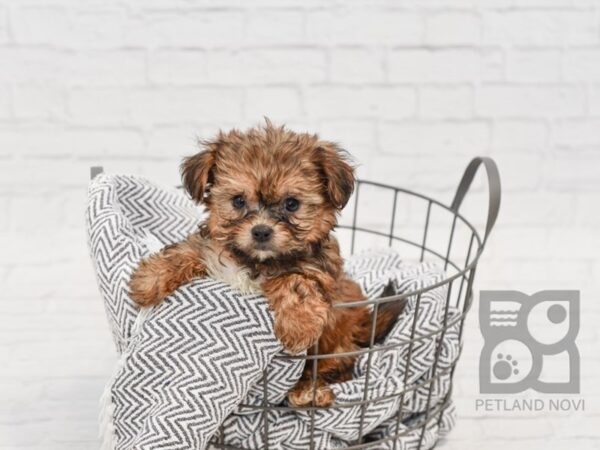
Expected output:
{"points": [[413, 89]]}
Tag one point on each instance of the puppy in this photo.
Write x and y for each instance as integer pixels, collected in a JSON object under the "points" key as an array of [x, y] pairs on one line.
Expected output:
{"points": [[272, 198]]}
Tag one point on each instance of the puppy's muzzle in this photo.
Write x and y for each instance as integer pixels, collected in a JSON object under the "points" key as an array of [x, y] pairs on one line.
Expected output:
{"points": [[262, 233]]}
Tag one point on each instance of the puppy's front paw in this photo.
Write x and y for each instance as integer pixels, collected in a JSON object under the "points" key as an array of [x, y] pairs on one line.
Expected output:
{"points": [[301, 312], [297, 333], [304, 394], [148, 285]]}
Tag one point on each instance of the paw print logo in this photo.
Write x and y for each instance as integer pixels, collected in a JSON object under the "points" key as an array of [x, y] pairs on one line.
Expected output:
{"points": [[510, 362], [505, 367], [523, 334]]}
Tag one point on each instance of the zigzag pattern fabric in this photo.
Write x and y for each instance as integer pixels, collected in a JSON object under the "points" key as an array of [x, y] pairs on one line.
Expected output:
{"points": [[193, 370]]}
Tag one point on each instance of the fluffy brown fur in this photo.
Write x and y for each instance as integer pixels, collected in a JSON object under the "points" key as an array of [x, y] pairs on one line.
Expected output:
{"points": [[294, 185]]}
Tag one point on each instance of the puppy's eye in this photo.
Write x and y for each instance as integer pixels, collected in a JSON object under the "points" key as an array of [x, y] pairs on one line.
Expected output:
{"points": [[238, 202], [291, 204]]}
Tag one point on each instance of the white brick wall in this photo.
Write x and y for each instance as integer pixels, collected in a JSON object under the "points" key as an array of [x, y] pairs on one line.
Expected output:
{"points": [[413, 89]]}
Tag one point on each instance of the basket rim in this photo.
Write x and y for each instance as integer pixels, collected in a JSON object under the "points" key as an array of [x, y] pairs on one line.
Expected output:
{"points": [[380, 348], [446, 280]]}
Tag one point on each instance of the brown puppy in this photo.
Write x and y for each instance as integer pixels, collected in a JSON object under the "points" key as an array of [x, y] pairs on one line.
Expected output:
{"points": [[272, 198]]}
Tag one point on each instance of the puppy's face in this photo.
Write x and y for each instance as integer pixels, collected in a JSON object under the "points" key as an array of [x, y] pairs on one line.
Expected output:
{"points": [[269, 192]]}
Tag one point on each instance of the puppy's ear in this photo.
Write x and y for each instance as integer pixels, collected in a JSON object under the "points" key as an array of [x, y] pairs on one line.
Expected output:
{"points": [[196, 172], [337, 173]]}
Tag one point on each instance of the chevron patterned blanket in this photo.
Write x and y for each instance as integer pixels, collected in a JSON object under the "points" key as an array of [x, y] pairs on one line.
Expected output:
{"points": [[189, 368]]}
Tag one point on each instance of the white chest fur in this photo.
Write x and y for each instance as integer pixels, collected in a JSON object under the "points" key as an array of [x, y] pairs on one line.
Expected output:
{"points": [[222, 268]]}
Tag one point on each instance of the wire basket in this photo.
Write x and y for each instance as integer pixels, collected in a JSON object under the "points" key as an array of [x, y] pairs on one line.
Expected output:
{"points": [[439, 233]]}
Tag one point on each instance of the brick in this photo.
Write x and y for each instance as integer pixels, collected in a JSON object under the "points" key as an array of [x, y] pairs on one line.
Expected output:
{"points": [[526, 242], [35, 25], [166, 172], [521, 428], [25, 65], [551, 4], [54, 25], [292, 4], [576, 173], [33, 140], [586, 212], [20, 249], [100, 143], [435, 138], [586, 427], [4, 217], [577, 133], [279, 104], [533, 66], [356, 65], [452, 28], [25, 212], [181, 5], [536, 271], [39, 102], [275, 27], [447, 66], [582, 65], [173, 141], [529, 101], [81, 289], [52, 143], [206, 28], [594, 100], [357, 136], [511, 135], [493, 65], [542, 209], [5, 102], [107, 68], [452, 102], [87, 366], [265, 66], [73, 202], [4, 27], [386, 103], [174, 106], [466, 431], [50, 172], [360, 27], [180, 67], [520, 169], [103, 27], [540, 28], [423, 173], [99, 106]]}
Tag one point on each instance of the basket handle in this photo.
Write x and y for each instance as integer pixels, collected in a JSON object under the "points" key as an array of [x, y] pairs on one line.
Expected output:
{"points": [[95, 171], [493, 186]]}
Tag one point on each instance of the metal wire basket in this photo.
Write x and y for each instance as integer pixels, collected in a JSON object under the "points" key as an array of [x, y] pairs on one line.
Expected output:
{"points": [[392, 212]]}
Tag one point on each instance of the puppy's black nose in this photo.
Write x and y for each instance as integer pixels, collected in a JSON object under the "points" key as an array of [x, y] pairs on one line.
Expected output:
{"points": [[262, 233]]}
